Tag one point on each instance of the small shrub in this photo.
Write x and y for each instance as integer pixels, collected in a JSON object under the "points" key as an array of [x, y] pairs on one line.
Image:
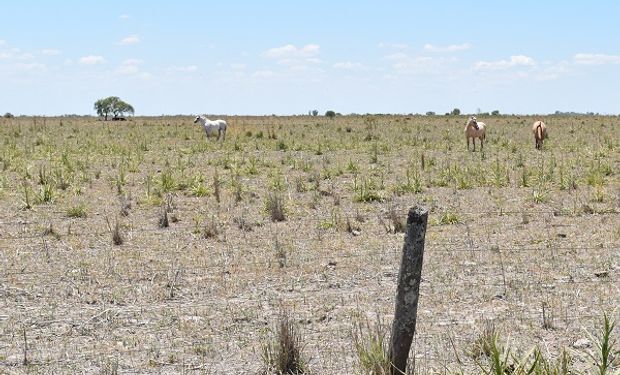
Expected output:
{"points": [[78, 211], [539, 196], [197, 187], [366, 191], [46, 194], [371, 349], [396, 222], [284, 355], [448, 218], [274, 205], [216, 186], [167, 181], [163, 218], [115, 232], [483, 345], [211, 229]]}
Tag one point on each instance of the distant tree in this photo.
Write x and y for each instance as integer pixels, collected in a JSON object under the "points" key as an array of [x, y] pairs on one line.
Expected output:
{"points": [[112, 105], [330, 114], [455, 112], [8, 115], [104, 106], [121, 108], [495, 113], [430, 113], [315, 112]]}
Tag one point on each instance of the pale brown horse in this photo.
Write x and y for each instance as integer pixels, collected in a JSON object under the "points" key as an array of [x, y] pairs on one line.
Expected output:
{"points": [[475, 129], [540, 133]]}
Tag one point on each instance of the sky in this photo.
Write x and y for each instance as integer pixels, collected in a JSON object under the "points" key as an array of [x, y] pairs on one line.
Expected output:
{"points": [[289, 57]]}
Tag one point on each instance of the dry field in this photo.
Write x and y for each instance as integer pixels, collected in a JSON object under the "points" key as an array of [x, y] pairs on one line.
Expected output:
{"points": [[141, 247]]}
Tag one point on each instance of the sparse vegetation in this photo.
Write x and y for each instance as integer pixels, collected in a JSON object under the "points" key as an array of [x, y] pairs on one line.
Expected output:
{"points": [[284, 354], [528, 240]]}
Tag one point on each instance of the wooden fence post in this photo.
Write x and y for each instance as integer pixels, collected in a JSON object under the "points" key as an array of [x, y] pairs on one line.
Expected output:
{"points": [[408, 289]]}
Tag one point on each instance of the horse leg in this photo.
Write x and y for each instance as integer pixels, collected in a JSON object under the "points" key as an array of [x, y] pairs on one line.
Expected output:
{"points": [[467, 139], [473, 140], [482, 144]]}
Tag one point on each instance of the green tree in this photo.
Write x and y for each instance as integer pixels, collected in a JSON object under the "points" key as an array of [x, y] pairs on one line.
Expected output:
{"points": [[495, 113], [330, 114], [104, 106], [8, 115], [112, 105], [121, 108], [430, 113], [315, 112], [455, 112]]}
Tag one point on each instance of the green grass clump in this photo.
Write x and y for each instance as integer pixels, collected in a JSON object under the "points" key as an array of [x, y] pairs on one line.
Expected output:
{"points": [[77, 211]]}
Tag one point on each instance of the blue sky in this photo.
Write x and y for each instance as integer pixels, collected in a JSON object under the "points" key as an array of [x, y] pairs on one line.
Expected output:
{"points": [[288, 57]]}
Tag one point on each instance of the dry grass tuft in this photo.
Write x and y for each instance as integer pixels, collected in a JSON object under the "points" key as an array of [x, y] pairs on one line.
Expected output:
{"points": [[284, 355], [274, 204], [115, 232]]}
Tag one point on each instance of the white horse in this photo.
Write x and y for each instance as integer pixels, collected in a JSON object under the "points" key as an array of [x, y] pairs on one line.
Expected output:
{"points": [[211, 126]]}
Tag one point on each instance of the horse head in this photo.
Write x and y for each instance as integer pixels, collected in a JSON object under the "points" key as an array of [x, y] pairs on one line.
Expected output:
{"points": [[473, 122]]}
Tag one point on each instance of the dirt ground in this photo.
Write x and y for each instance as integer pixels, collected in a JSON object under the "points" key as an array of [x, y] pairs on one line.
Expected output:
{"points": [[526, 241]]}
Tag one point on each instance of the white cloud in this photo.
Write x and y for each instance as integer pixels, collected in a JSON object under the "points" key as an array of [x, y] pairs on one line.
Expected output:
{"points": [[518, 60], [396, 56], [31, 66], [16, 54], [263, 74], [596, 59], [128, 40], [294, 58], [404, 63], [348, 65], [237, 66], [124, 16], [290, 51], [91, 60], [394, 45], [50, 52], [185, 69], [129, 67], [2, 42], [449, 48], [413, 63]]}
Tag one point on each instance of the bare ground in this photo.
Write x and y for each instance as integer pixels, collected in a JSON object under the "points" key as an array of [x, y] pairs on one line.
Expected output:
{"points": [[540, 262]]}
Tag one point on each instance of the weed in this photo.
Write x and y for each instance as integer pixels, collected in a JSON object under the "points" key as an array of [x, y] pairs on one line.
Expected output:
{"points": [[77, 211], [274, 204], [284, 355], [115, 232], [366, 191], [211, 229], [448, 218], [371, 348]]}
